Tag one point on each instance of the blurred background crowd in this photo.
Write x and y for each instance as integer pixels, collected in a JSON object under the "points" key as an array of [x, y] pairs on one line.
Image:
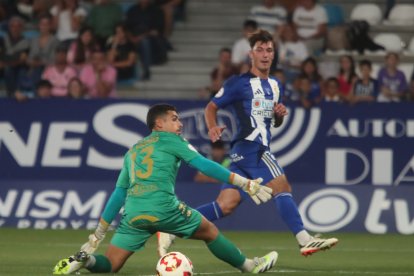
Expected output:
{"points": [[187, 48]]}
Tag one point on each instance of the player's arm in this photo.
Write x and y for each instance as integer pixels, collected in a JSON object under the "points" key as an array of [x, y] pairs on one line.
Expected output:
{"points": [[258, 193], [112, 208], [280, 112], [210, 114]]}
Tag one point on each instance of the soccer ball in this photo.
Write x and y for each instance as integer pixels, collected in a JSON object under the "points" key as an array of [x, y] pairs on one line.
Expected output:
{"points": [[174, 264]]}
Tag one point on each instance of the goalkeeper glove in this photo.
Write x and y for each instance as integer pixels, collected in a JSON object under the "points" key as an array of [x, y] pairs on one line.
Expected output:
{"points": [[95, 238], [259, 193]]}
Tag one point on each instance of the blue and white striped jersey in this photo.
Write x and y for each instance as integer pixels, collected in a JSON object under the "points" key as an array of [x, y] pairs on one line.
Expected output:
{"points": [[251, 100]]}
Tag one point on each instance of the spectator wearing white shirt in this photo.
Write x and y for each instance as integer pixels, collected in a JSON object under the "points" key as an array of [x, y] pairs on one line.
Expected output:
{"points": [[268, 16], [241, 48], [67, 19], [311, 20]]}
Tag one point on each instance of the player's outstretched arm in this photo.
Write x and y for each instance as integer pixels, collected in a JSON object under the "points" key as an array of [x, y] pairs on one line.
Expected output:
{"points": [[210, 115], [259, 193], [280, 112], [112, 208]]}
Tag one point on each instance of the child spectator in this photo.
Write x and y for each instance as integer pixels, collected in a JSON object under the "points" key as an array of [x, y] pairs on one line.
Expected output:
{"points": [[309, 69], [347, 76], [76, 89], [331, 91], [309, 96], [122, 54], [99, 77], [60, 73], [365, 88], [392, 82], [44, 89], [80, 50]]}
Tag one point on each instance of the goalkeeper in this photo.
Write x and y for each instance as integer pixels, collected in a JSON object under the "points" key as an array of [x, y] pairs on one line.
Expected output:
{"points": [[145, 188]]}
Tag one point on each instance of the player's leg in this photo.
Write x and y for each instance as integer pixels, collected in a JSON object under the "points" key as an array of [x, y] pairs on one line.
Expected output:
{"points": [[287, 207], [226, 251]]}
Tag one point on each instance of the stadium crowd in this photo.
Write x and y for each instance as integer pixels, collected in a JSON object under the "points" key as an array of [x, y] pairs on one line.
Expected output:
{"points": [[71, 48], [302, 35], [63, 48]]}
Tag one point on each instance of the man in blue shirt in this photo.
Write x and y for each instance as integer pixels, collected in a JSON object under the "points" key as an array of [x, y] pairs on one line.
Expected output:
{"points": [[255, 98]]}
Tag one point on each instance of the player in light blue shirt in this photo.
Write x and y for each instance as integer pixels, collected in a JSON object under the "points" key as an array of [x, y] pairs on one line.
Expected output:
{"points": [[255, 98]]}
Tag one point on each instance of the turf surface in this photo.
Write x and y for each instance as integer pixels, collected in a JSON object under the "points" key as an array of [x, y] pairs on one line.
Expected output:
{"points": [[35, 252]]}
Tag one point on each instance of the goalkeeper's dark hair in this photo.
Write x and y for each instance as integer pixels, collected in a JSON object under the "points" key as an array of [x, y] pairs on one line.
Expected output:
{"points": [[262, 36], [156, 111]]}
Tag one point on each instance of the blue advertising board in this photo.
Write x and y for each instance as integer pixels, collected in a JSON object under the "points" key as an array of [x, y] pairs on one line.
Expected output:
{"points": [[59, 160]]}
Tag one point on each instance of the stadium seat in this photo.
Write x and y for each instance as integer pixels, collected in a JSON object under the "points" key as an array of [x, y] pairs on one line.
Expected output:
{"points": [[401, 15], [369, 12], [335, 15], [391, 42], [410, 48], [126, 5]]}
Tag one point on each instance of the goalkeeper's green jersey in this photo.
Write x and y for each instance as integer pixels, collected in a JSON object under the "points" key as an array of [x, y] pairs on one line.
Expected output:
{"points": [[150, 169]]}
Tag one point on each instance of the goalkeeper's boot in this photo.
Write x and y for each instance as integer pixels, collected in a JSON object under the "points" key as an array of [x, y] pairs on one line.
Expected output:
{"points": [[317, 244], [71, 264], [265, 263], [164, 242]]}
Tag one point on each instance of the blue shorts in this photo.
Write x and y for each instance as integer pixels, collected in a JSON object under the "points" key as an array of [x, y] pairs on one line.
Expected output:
{"points": [[252, 160]]}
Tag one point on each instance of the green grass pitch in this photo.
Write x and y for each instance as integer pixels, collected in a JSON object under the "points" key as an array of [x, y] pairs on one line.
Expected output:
{"points": [[35, 252]]}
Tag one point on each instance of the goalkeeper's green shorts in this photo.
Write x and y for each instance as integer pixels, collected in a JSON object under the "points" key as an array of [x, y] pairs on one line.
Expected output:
{"points": [[135, 229]]}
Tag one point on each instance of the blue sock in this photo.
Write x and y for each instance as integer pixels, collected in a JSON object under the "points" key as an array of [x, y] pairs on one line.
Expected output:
{"points": [[211, 211], [289, 212]]}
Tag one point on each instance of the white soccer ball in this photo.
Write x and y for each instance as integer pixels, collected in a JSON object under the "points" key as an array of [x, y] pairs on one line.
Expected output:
{"points": [[174, 264]]}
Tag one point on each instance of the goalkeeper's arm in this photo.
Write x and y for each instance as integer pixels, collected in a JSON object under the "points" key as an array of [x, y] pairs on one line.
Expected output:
{"points": [[112, 208], [259, 193]]}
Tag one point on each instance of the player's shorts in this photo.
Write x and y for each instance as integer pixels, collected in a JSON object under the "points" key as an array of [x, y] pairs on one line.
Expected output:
{"points": [[135, 229], [253, 160]]}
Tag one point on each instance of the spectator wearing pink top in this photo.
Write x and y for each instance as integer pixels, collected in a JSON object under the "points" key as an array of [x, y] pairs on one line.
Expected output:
{"points": [[59, 74], [99, 77]]}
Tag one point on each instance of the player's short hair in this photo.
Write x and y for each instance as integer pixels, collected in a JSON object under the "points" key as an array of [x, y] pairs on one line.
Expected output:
{"points": [[262, 36], [156, 111]]}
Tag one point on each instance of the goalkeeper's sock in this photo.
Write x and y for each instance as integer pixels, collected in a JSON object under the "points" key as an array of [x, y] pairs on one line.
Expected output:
{"points": [[211, 211], [226, 251], [98, 264], [289, 212]]}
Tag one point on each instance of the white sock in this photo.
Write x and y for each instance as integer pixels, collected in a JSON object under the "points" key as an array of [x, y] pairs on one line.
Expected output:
{"points": [[303, 237], [248, 265], [90, 262]]}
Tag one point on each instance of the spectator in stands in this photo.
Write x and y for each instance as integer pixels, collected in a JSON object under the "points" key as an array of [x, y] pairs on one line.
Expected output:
{"points": [[292, 52], [99, 77], [76, 89], [42, 49], [67, 19], [241, 48], [121, 53], [392, 82], [331, 91], [311, 21], [103, 18], [309, 69], [145, 23], [169, 8], [80, 50], [218, 154], [220, 73], [15, 57], [269, 16], [60, 73], [44, 89], [292, 92], [33, 11], [365, 88], [347, 76], [309, 96]]}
